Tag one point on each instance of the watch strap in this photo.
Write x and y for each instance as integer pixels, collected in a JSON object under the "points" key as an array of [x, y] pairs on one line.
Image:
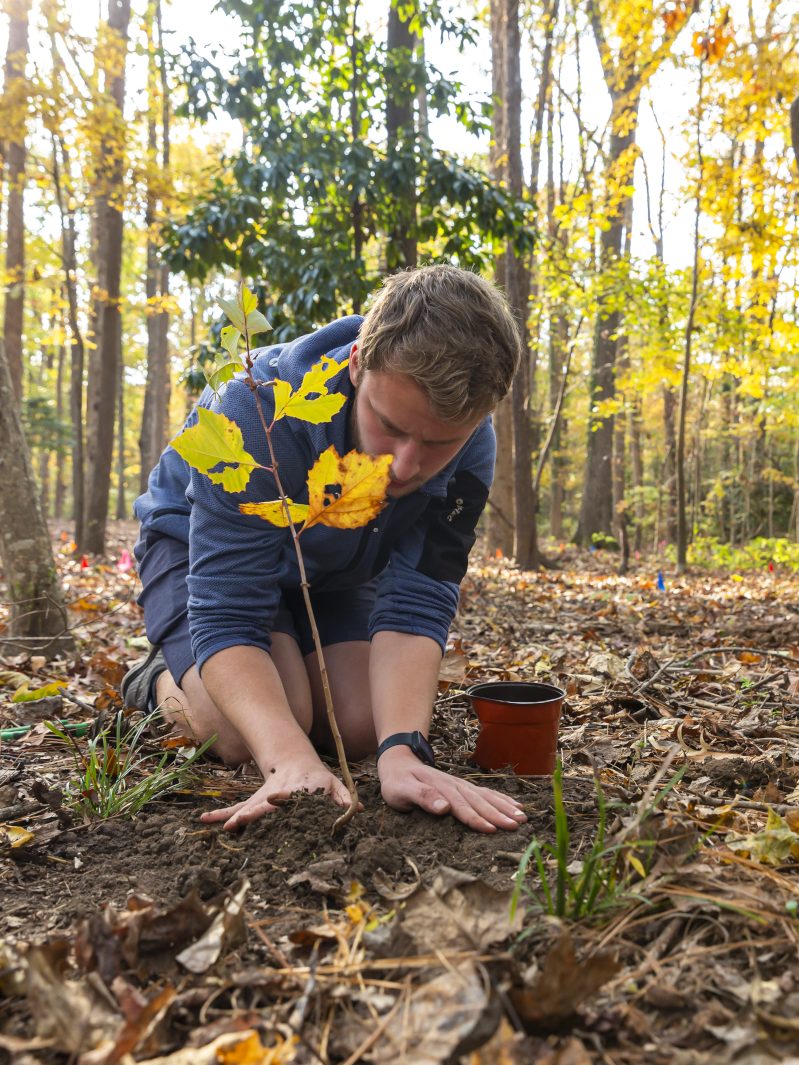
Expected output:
{"points": [[417, 742]]}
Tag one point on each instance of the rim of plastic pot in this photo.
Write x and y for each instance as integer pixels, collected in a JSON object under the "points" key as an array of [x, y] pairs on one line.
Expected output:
{"points": [[526, 692]]}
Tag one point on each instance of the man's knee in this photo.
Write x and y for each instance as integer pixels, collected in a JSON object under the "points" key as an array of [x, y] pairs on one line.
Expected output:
{"points": [[358, 733], [231, 748]]}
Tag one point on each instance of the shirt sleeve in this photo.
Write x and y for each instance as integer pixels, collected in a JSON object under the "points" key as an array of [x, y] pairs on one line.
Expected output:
{"points": [[418, 591]]}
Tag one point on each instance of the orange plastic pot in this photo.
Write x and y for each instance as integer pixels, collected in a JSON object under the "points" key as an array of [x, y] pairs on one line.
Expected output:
{"points": [[518, 726]]}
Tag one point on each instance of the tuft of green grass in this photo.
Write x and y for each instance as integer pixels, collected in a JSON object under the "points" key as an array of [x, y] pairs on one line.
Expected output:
{"points": [[606, 878], [117, 775]]}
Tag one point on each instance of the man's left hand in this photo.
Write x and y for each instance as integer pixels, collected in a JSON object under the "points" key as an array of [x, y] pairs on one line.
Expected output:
{"points": [[406, 782]]}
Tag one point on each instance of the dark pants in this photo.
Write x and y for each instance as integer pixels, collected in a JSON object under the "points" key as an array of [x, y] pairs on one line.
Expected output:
{"points": [[341, 616]]}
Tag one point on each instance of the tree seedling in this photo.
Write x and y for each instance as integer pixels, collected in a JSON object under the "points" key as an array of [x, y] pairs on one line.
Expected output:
{"points": [[344, 492]]}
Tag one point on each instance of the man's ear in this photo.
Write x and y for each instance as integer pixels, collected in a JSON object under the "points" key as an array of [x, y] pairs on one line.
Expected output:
{"points": [[354, 366]]}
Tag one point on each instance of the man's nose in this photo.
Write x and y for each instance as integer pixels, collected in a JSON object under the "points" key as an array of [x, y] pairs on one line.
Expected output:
{"points": [[406, 463]]}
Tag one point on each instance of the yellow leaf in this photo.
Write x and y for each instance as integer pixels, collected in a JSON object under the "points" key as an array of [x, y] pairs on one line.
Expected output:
{"points": [[359, 489], [247, 300], [251, 1051], [312, 402], [15, 835], [637, 864], [215, 441], [355, 912], [775, 845], [275, 512], [10, 678], [24, 695]]}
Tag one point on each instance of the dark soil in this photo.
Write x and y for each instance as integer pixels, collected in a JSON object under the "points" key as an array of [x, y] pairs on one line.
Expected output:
{"points": [[696, 964], [292, 859]]}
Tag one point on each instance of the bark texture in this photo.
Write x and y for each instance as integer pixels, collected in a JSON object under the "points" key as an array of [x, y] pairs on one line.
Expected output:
{"points": [[155, 413], [15, 95], [105, 358], [402, 44], [501, 520], [37, 621]]}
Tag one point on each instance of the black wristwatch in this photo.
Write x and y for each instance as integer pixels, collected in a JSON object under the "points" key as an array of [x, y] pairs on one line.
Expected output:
{"points": [[417, 742]]}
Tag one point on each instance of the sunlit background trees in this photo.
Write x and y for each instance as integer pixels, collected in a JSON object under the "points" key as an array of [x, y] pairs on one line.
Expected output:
{"points": [[624, 170]]}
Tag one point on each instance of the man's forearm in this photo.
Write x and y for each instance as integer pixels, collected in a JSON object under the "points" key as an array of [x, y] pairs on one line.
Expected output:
{"points": [[245, 686], [403, 678]]}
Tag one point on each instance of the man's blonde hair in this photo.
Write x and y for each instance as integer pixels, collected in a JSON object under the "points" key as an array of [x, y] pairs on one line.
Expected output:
{"points": [[449, 330]]}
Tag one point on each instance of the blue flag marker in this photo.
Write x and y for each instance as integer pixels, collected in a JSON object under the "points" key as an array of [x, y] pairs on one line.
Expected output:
{"points": [[661, 582]]}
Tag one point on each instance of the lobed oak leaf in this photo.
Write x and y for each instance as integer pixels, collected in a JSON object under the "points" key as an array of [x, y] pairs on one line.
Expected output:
{"points": [[312, 402], [360, 489], [217, 441]]}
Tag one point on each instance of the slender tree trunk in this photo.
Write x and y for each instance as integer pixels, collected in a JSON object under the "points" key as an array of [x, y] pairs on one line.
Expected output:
{"points": [[105, 357], [401, 130], [696, 502], [525, 546], [682, 529], [500, 533], [625, 75], [669, 463], [60, 479], [155, 412], [15, 97], [37, 621], [637, 459], [596, 509], [45, 453], [122, 506], [356, 204], [557, 345]]}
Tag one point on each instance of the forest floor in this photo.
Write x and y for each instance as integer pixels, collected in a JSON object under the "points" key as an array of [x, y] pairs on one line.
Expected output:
{"points": [[157, 938]]}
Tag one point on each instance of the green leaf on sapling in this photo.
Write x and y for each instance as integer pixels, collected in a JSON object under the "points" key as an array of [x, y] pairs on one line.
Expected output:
{"points": [[234, 313], [230, 337], [213, 441], [222, 375], [256, 323]]}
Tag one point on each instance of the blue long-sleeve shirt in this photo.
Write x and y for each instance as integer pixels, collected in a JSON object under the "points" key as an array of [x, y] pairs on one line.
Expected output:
{"points": [[238, 564]]}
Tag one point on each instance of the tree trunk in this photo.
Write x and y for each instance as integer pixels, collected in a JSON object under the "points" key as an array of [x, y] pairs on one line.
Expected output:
{"points": [[15, 106], [122, 507], [105, 357], [557, 343], [626, 74], [60, 480], [155, 412], [596, 509], [500, 531], [356, 203], [401, 131], [682, 529], [637, 459], [517, 278], [37, 621], [669, 463]]}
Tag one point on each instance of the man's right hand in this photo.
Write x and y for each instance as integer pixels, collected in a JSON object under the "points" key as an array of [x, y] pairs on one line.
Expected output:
{"points": [[281, 783]]}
